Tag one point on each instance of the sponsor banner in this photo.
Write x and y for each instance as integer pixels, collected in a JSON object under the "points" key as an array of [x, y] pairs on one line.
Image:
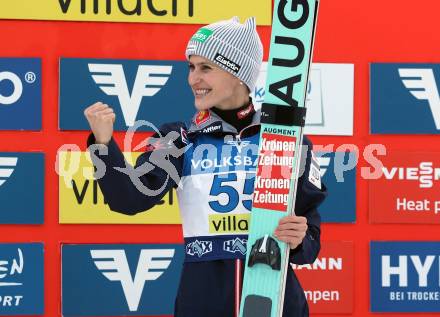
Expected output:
{"points": [[21, 279], [21, 188], [404, 98], [329, 282], [275, 162], [146, 90], [155, 91], [155, 11], [404, 276], [407, 191], [340, 180], [20, 93], [120, 279], [329, 99], [81, 200]]}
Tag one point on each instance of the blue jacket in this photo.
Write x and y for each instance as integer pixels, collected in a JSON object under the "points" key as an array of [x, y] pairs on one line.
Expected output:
{"points": [[212, 165]]}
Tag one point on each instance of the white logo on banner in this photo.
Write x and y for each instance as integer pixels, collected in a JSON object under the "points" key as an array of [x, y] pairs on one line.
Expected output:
{"points": [[6, 170], [421, 84], [422, 268], [114, 266], [11, 268], [112, 81], [329, 99], [425, 174], [17, 91], [324, 264]]}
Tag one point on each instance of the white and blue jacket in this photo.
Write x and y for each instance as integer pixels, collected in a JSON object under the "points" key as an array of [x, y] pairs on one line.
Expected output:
{"points": [[216, 166]]}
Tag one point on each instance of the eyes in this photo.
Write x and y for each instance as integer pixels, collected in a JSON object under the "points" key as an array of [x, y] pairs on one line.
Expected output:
{"points": [[202, 67]]}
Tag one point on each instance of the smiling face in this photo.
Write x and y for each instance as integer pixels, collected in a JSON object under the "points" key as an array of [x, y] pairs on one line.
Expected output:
{"points": [[213, 86]]}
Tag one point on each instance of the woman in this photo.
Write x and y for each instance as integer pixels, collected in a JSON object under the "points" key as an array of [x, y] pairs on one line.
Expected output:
{"points": [[215, 174]]}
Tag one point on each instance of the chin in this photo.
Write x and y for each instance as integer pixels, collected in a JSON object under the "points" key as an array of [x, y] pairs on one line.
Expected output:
{"points": [[202, 105]]}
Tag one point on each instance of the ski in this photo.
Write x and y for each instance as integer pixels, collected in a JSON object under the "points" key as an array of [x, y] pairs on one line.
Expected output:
{"points": [[282, 122]]}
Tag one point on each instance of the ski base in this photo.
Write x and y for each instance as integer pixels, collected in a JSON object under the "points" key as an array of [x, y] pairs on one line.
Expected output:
{"points": [[257, 306]]}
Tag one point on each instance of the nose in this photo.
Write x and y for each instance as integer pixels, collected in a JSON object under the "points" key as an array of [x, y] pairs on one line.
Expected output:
{"points": [[193, 77]]}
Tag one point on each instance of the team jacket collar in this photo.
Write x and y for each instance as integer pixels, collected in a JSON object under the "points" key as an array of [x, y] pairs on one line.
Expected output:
{"points": [[207, 121]]}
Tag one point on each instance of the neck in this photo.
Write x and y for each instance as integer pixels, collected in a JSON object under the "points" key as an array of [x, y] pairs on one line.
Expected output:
{"points": [[239, 117]]}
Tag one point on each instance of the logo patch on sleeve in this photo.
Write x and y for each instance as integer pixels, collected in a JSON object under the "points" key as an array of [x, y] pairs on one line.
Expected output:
{"points": [[314, 173]]}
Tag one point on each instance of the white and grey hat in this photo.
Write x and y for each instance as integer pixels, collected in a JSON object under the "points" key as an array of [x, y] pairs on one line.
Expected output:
{"points": [[233, 46]]}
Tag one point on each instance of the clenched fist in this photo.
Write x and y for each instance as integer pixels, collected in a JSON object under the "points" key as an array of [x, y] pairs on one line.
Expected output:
{"points": [[101, 118]]}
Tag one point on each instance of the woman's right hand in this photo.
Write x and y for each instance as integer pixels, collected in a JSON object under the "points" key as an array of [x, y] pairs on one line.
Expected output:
{"points": [[101, 118]]}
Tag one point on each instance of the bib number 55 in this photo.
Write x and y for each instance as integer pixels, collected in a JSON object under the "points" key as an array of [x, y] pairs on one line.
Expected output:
{"points": [[227, 184]]}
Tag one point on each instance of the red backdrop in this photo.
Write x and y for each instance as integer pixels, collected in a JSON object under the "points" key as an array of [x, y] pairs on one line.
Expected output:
{"points": [[349, 31]]}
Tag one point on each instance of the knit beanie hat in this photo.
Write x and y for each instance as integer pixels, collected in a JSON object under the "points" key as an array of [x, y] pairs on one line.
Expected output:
{"points": [[233, 46]]}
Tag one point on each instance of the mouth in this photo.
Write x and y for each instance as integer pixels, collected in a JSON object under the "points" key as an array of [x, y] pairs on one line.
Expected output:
{"points": [[200, 93]]}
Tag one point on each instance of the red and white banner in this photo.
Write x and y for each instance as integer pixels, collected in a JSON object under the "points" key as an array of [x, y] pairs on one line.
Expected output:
{"points": [[328, 282], [408, 190]]}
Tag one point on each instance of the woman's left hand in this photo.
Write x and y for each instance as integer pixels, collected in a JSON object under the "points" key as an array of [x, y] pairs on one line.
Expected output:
{"points": [[292, 230]]}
